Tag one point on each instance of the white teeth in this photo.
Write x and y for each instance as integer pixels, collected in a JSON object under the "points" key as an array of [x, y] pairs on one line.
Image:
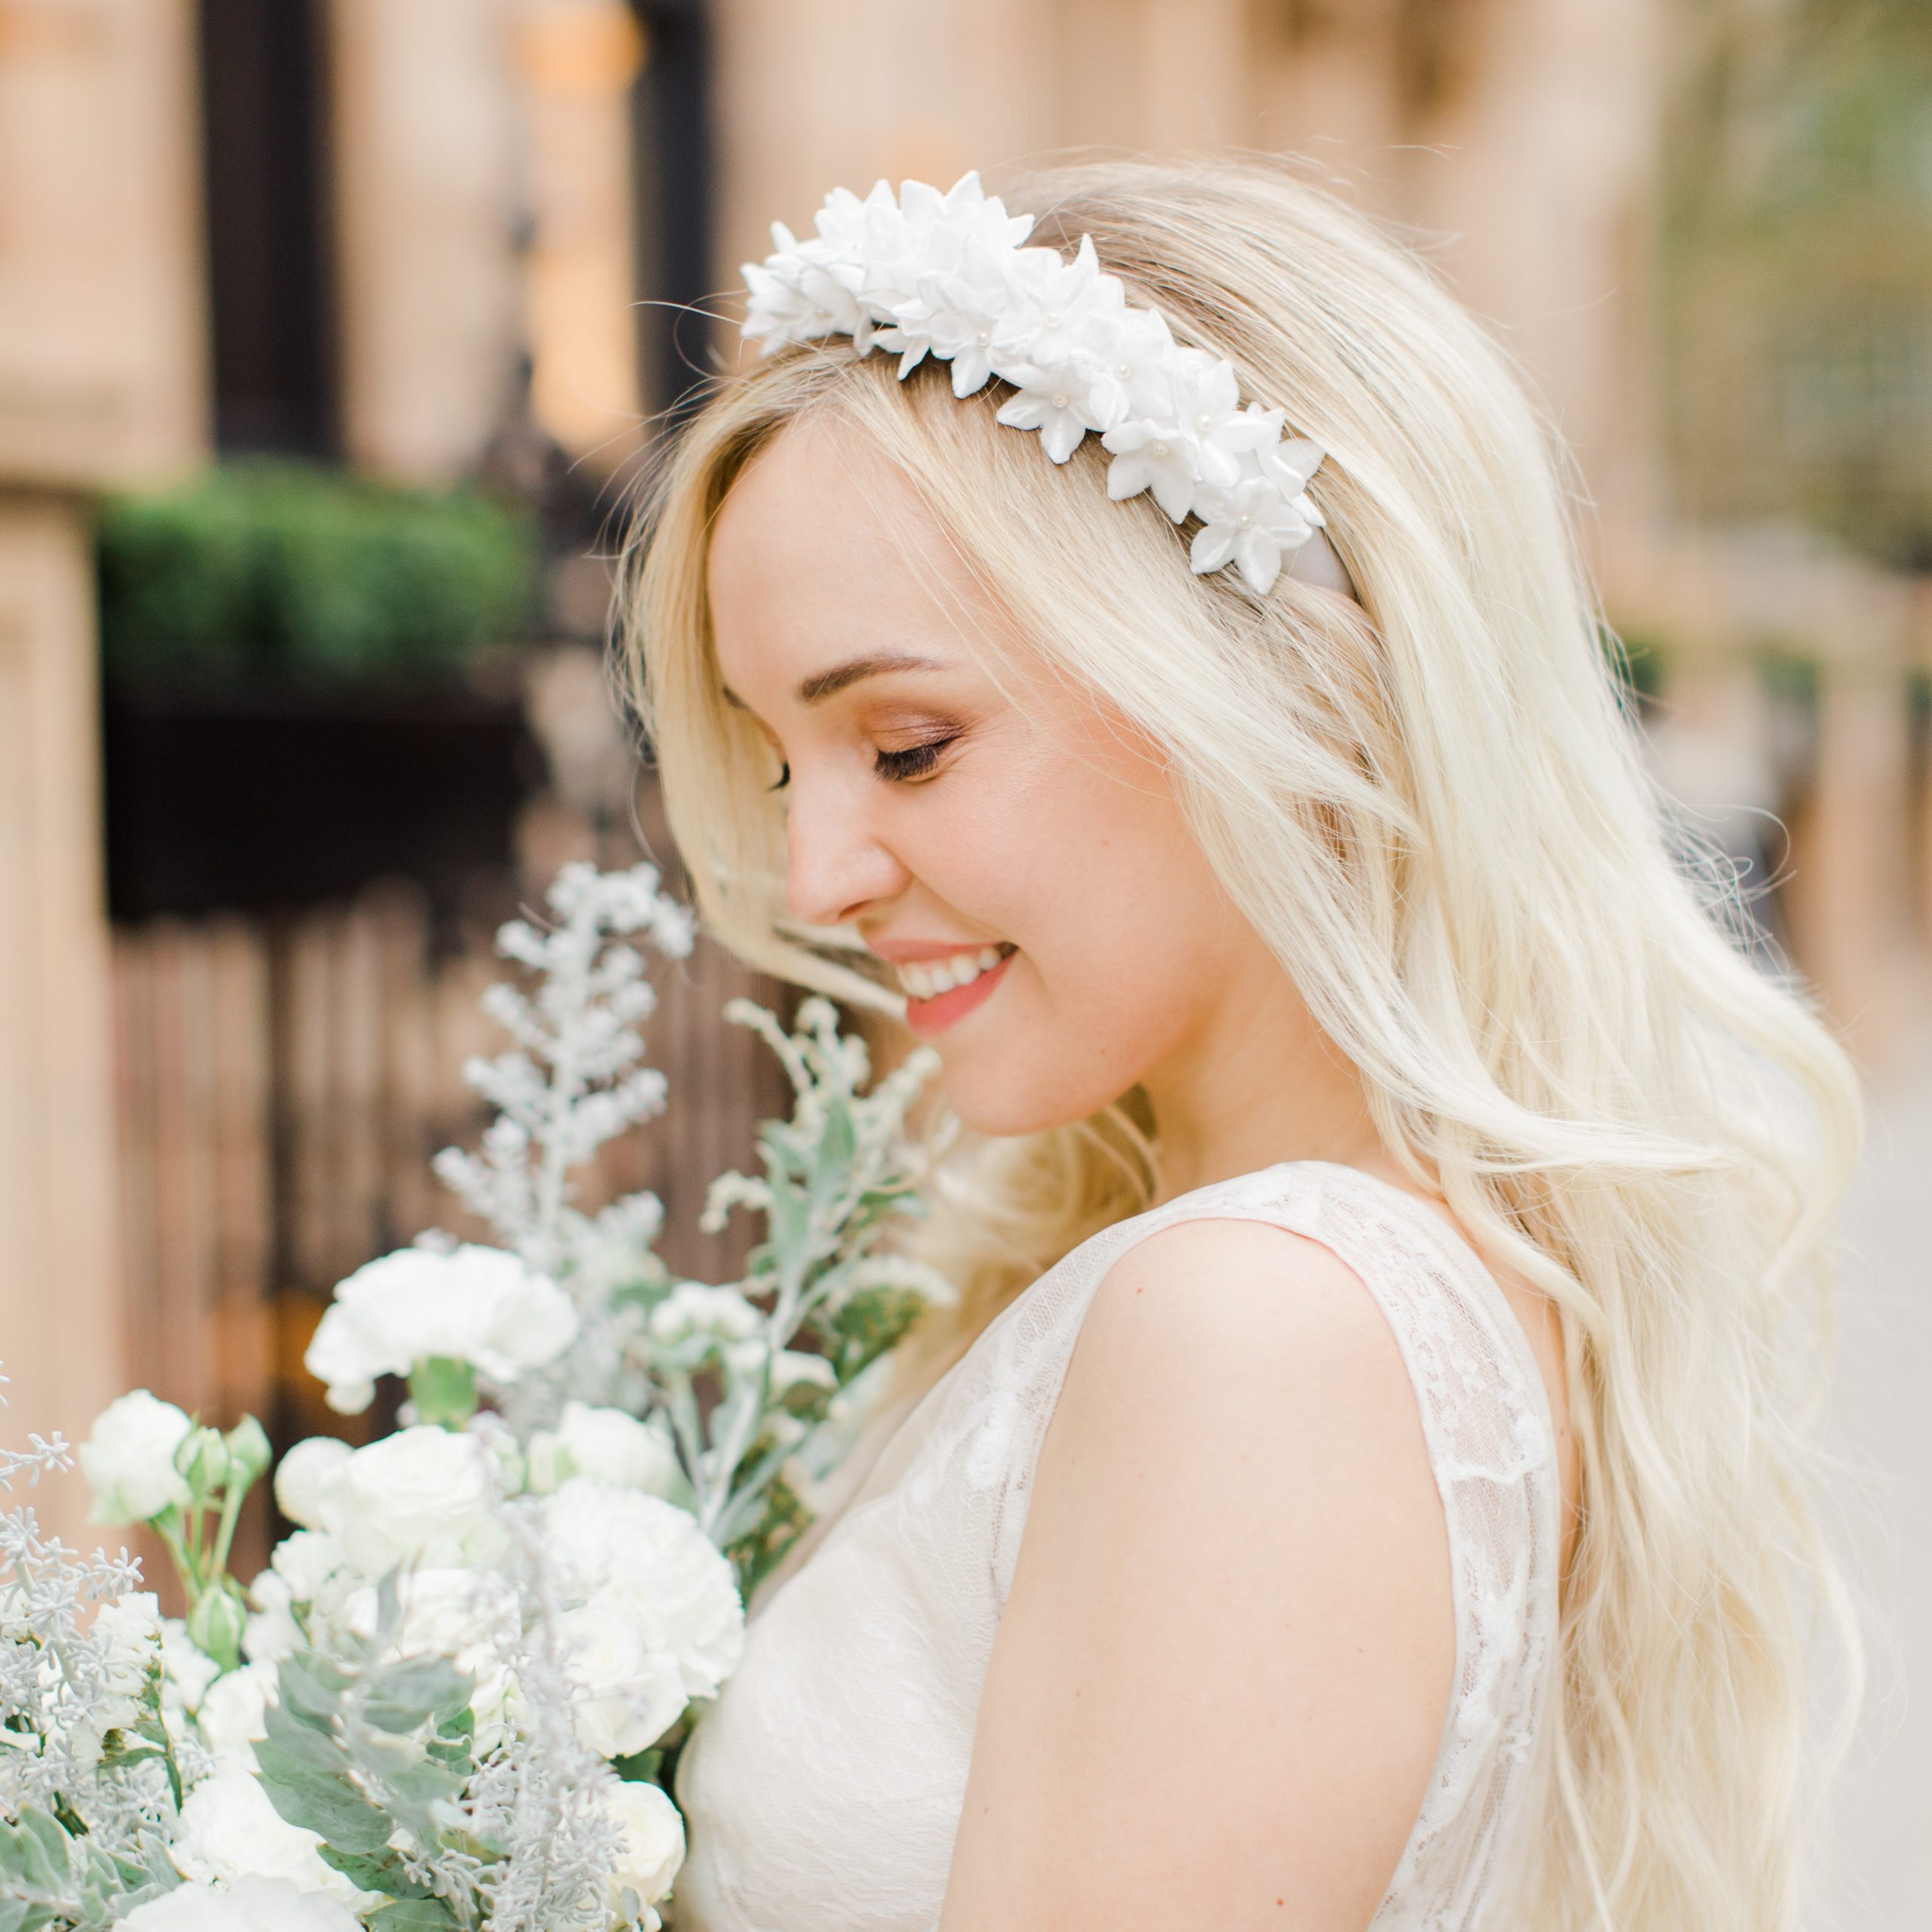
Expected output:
{"points": [[934, 976]]}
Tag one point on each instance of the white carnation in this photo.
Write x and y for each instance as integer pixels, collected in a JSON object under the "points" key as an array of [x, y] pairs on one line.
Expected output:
{"points": [[423, 1496], [233, 1716], [625, 1694], [651, 1557], [306, 1479], [129, 1459], [187, 1669], [271, 1632], [473, 1304], [654, 1843], [305, 1560], [608, 1446], [128, 1631], [228, 1829], [250, 1905]]}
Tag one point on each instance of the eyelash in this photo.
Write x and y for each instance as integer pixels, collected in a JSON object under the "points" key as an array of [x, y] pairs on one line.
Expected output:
{"points": [[916, 761]]}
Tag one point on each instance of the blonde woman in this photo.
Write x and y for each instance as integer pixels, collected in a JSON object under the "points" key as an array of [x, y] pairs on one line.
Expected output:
{"points": [[1369, 1481]]}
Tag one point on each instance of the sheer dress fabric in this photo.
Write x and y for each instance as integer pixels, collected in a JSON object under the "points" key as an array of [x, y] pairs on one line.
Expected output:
{"points": [[824, 1789]]}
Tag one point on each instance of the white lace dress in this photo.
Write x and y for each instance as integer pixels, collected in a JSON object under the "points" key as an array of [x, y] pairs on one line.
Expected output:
{"points": [[824, 1787]]}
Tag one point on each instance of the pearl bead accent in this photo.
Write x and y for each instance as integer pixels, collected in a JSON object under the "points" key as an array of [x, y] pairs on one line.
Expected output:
{"points": [[984, 338], [1159, 450], [1059, 401], [1242, 521]]}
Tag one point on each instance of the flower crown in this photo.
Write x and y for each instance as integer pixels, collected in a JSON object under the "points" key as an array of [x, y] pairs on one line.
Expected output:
{"points": [[947, 275]]}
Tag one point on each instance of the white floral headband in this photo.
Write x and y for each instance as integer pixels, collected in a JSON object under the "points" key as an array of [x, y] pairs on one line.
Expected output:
{"points": [[946, 275]]}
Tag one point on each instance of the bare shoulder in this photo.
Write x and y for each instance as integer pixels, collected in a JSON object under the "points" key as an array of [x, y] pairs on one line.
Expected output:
{"points": [[1235, 1545]]}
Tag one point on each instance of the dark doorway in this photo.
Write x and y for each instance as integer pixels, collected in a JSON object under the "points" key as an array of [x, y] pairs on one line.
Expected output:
{"points": [[265, 159], [672, 143]]}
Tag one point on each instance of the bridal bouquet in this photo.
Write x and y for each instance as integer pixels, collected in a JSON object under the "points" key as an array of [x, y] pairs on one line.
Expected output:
{"points": [[453, 1699]]}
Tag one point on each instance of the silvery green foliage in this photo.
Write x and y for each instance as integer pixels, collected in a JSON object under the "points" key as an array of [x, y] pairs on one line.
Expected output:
{"points": [[835, 1174], [573, 1080], [88, 1784], [541, 1801]]}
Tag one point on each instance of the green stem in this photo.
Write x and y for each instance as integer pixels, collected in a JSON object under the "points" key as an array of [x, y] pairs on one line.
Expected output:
{"points": [[231, 1510], [186, 1567]]}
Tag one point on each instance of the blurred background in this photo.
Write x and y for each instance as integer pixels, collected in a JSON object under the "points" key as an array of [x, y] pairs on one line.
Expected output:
{"points": [[332, 330]]}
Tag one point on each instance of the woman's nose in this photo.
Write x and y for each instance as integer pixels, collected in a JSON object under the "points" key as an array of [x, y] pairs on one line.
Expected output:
{"points": [[835, 866]]}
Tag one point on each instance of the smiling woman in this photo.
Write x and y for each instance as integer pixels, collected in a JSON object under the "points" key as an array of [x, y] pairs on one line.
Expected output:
{"points": [[1364, 1484]]}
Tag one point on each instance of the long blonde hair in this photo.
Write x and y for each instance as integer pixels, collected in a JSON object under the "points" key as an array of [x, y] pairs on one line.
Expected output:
{"points": [[1433, 809]]}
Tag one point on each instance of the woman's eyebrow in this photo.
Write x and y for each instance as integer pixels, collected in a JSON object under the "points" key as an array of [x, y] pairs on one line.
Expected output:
{"points": [[828, 684]]}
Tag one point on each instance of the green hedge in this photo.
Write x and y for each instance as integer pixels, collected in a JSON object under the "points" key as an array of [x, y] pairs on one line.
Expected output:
{"points": [[256, 570]]}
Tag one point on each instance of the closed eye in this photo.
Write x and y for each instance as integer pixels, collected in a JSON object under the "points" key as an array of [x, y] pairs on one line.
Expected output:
{"points": [[784, 779], [915, 762]]}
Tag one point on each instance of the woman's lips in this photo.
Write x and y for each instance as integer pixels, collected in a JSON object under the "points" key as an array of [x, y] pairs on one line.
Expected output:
{"points": [[928, 1016]]}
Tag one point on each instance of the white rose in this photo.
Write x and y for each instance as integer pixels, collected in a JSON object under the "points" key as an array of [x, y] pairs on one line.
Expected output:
{"points": [[625, 1695], [477, 1305], [229, 1830], [233, 1716], [249, 1904], [129, 1459], [424, 1495], [651, 1556], [607, 1445], [306, 1479], [654, 1843]]}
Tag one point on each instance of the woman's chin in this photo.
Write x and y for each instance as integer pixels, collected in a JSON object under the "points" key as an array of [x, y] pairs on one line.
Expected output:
{"points": [[1011, 1094]]}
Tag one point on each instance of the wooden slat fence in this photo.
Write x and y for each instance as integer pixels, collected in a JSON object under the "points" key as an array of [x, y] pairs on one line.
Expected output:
{"points": [[283, 1086]]}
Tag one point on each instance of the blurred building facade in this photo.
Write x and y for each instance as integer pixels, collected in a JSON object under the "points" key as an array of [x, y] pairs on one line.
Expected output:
{"points": [[444, 237]]}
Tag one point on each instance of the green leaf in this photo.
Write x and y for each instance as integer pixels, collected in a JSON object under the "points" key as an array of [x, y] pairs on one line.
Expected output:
{"points": [[416, 1915], [380, 1872], [640, 1768], [329, 1805]]}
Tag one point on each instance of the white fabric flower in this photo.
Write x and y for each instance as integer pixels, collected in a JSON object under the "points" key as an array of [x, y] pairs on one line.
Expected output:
{"points": [[474, 1304], [606, 1445], [1251, 525], [423, 1496], [233, 1716], [305, 1477], [1059, 404], [129, 1459], [625, 1693], [654, 1843], [638, 1552], [948, 275], [228, 1829], [250, 1905]]}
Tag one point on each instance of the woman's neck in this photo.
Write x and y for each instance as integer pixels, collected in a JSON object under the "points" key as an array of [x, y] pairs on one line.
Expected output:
{"points": [[1261, 1083]]}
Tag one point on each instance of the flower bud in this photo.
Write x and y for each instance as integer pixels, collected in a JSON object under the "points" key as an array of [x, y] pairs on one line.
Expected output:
{"points": [[202, 1459], [216, 1624], [248, 1451]]}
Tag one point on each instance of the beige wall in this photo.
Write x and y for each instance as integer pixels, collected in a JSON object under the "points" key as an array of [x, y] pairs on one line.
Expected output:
{"points": [[1520, 148], [102, 371], [426, 191], [60, 1328], [102, 381]]}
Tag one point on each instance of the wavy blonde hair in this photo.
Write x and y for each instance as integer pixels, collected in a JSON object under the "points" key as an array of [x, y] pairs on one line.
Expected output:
{"points": [[1432, 807]]}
